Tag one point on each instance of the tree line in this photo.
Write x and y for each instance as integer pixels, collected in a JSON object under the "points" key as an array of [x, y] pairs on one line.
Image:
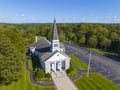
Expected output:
{"points": [[12, 54], [15, 37]]}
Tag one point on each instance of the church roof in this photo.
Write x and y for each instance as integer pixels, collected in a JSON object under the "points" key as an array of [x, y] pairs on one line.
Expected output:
{"points": [[55, 34], [41, 44], [44, 45], [47, 55]]}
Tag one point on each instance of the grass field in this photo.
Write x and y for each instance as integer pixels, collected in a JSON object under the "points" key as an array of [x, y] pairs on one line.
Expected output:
{"points": [[74, 72], [24, 84], [96, 81], [78, 62], [112, 55], [99, 51], [30, 64]]}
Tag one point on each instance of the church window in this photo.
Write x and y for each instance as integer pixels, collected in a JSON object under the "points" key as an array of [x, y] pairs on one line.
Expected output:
{"points": [[55, 45]]}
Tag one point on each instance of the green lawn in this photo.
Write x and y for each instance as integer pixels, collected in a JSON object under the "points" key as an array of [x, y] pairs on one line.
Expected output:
{"points": [[30, 64], [96, 81], [104, 53], [24, 84], [74, 71], [78, 62], [98, 51]]}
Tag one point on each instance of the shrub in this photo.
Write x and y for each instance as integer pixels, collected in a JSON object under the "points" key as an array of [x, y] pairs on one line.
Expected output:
{"points": [[39, 74], [70, 69], [47, 75]]}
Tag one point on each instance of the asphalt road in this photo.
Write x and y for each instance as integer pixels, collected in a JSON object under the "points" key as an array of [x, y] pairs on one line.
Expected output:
{"points": [[110, 68]]}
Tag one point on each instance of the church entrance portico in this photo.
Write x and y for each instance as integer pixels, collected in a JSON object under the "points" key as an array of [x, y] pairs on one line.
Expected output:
{"points": [[57, 66]]}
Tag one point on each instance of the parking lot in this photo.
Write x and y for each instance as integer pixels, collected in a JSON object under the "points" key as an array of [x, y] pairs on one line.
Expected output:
{"points": [[99, 63]]}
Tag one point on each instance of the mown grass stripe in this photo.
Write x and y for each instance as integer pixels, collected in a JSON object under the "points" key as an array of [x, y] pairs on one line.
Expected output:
{"points": [[103, 81], [78, 62], [96, 81]]}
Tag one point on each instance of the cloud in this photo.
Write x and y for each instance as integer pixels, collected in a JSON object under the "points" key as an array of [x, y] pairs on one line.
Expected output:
{"points": [[22, 15], [3, 17], [17, 14], [115, 16], [111, 19]]}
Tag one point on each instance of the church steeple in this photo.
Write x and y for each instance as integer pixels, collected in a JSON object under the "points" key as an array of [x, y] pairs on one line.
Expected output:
{"points": [[55, 40], [55, 34]]}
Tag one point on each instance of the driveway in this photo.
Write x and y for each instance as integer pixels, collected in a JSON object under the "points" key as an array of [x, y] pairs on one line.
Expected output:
{"points": [[99, 63], [63, 82]]}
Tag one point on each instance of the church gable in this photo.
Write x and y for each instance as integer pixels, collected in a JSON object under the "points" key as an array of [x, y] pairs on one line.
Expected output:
{"points": [[58, 56]]}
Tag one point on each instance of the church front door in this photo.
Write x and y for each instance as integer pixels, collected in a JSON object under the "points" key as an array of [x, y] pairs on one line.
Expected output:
{"points": [[58, 66], [52, 66]]}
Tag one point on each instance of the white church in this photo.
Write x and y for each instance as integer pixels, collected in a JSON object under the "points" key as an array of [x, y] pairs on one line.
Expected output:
{"points": [[52, 54]]}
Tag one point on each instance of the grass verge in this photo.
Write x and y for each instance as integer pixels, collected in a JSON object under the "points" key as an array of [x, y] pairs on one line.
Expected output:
{"points": [[96, 81], [72, 71], [30, 64], [108, 54], [79, 62]]}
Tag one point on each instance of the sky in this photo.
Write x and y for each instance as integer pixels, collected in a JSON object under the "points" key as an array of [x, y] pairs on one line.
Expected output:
{"points": [[65, 11]]}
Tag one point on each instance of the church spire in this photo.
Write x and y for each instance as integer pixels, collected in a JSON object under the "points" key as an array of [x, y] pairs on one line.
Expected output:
{"points": [[55, 40], [55, 34]]}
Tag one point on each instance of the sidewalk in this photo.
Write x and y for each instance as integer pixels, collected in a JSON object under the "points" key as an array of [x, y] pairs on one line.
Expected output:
{"points": [[62, 81]]}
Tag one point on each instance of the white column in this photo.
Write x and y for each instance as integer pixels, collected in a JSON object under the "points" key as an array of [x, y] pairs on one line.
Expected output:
{"points": [[60, 66], [55, 66]]}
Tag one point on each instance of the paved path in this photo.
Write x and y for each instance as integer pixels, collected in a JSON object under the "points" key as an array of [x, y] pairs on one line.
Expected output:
{"points": [[79, 72], [99, 63], [63, 82], [32, 79]]}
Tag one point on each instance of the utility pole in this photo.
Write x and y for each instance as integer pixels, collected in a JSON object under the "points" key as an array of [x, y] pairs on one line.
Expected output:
{"points": [[89, 64]]}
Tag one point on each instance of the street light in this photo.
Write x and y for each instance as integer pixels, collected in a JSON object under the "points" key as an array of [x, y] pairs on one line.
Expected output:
{"points": [[89, 63]]}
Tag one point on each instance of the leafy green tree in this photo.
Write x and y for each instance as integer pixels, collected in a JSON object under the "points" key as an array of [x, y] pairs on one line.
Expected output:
{"points": [[117, 50], [92, 41], [74, 39], [10, 61], [39, 73], [82, 40], [49, 35], [105, 43], [114, 36]]}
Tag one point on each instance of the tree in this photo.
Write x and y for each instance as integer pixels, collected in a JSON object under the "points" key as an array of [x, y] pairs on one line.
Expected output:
{"points": [[114, 36], [75, 39], [118, 48], [82, 40], [105, 43], [10, 61], [39, 73], [49, 35], [92, 41]]}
